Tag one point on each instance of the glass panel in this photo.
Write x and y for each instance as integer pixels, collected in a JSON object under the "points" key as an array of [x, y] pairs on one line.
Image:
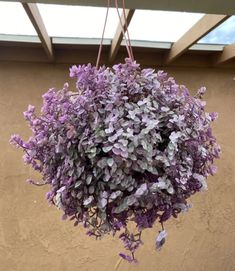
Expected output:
{"points": [[78, 21], [14, 20], [223, 34], [161, 25]]}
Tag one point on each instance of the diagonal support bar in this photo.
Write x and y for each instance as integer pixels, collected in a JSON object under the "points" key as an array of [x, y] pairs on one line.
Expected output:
{"points": [[36, 19], [116, 42], [199, 30], [227, 54]]}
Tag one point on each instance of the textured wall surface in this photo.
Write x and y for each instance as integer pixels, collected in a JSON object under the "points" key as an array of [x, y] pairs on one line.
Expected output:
{"points": [[32, 235]]}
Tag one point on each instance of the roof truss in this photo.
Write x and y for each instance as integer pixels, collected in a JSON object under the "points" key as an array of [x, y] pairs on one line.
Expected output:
{"points": [[188, 42], [199, 30], [227, 54], [118, 37], [36, 19]]}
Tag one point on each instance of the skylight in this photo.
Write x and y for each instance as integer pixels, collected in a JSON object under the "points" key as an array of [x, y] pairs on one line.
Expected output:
{"points": [[223, 34], [161, 25], [14, 20], [87, 22], [78, 21]]}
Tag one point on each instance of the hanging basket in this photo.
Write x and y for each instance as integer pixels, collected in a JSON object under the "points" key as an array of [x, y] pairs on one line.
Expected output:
{"points": [[129, 144]]}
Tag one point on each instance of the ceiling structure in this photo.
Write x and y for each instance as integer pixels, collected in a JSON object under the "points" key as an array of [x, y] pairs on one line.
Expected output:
{"points": [[204, 6], [195, 39]]}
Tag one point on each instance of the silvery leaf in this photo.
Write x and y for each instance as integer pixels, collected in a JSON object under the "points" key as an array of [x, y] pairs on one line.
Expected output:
{"points": [[142, 190], [144, 144], [142, 102], [154, 187], [102, 163], [165, 108], [124, 142], [102, 215], [91, 155], [170, 190], [61, 189], [133, 157], [79, 195], [104, 194], [102, 203], [88, 200], [110, 162], [58, 200], [174, 137], [116, 194], [130, 200], [91, 189], [112, 138], [142, 164], [131, 114], [162, 185], [89, 179], [124, 154], [122, 207], [124, 204], [201, 179], [131, 147], [183, 207], [107, 149], [92, 150], [106, 177], [77, 184], [160, 240], [109, 130]]}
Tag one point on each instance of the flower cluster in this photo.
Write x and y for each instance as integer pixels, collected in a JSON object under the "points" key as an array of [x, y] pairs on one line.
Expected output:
{"points": [[129, 144]]}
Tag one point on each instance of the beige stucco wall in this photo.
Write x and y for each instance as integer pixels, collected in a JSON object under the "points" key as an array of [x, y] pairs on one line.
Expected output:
{"points": [[32, 235]]}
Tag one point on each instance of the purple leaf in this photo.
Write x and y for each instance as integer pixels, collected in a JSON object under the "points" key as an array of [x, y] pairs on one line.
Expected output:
{"points": [[160, 240]]}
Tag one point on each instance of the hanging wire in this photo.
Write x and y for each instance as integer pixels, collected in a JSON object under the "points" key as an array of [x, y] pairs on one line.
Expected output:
{"points": [[123, 30], [102, 39]]}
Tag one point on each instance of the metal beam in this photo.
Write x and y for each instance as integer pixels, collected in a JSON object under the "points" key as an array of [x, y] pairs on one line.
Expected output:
{"points": [[116, 42], [19, 38], [199, 30], [79, 41], [206, 47], [203, 6], [227, 54], [36, 19]]}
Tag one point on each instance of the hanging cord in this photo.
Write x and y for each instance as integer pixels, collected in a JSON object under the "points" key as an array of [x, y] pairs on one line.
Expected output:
{"points": [[126, 26], [127, 40], [123, 31], [102, 39]]}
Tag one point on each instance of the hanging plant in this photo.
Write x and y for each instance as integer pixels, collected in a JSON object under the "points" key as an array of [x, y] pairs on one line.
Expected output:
{"points": [[128, 145]]}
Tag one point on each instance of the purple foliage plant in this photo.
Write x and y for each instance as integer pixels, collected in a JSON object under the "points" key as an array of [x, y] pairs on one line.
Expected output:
{"points": [[129, 144]]}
